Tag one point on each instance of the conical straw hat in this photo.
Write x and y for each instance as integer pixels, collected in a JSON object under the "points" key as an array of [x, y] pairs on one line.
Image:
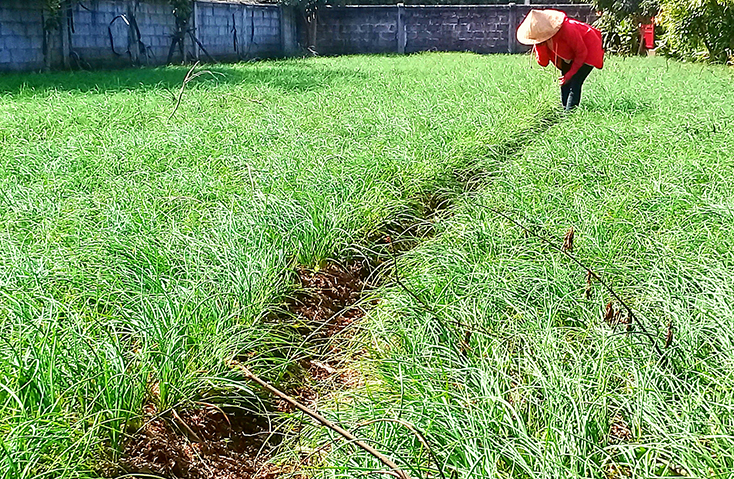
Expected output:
{"points": [[539, 26]]}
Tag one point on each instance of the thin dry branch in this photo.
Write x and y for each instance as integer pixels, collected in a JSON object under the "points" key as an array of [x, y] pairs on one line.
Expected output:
{"points": [[415, 432], [589, 272], [394, 468], [189, 76]]}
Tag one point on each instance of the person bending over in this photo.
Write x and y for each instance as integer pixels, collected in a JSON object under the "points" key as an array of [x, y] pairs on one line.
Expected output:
{"points": [[574, 47]]}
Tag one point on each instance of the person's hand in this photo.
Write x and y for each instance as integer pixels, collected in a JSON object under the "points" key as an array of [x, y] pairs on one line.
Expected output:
{"points": [[562, 80]]}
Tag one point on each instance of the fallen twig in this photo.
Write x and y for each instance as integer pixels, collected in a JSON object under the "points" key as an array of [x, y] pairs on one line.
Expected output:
{"points": [[394, 468], [189, 76], [412, 429], [589, 272], [186, 79], [181, 422]]}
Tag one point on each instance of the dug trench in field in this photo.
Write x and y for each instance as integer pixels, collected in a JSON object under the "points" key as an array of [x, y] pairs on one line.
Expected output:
{"points": [[474, 176], [204, 442], [227, 442], [322, 313], [438, 204]]}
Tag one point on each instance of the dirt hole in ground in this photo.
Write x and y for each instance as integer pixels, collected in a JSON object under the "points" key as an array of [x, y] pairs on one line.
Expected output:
{"points": [[201, 443], [325, 300], [206, 442], [325, 305]]}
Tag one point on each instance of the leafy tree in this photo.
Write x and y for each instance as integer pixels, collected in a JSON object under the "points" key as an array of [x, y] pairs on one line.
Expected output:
{"points": [[698, 29], [53, 10], [620, 20], [182, 10], [309, 10]]}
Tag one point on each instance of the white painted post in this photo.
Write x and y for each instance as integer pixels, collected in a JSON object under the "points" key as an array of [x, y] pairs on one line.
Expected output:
{"points": [[401, 34]]}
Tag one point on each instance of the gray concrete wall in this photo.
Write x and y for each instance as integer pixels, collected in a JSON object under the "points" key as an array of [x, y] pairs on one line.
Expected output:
{"points": [[414, 28], [90, 29], [94, 27], [482, 29], [235, 31], [357, 29], [21, 36]]}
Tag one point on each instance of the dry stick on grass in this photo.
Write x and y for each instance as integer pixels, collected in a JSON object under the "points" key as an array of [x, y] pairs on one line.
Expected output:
{"points": [[415, 432], [189, 76], [181, 422], [394, 468], [589, 271], [428, 308]]}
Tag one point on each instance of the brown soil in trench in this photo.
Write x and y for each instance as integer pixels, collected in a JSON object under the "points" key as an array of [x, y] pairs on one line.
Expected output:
{"points": [[209, 443], [234, 445]]}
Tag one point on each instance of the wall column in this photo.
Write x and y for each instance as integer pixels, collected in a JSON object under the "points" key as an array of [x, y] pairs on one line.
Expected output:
{"points": [[512, 29], [401, 34]]}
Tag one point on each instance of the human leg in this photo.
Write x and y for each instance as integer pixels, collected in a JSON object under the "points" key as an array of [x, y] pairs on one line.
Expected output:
{"points": [[575, 84], [565, 91], [565, 88]]}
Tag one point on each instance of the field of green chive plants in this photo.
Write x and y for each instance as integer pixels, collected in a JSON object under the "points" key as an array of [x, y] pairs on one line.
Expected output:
{"points": [[141, 253]]}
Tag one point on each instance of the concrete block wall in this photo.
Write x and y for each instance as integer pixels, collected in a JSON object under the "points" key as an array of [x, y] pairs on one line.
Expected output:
{"points": [[289, 27], [84, 37], [21, 35], [157, 24], [234, 30], [91, 23], [357, 29], [237, 31], [415, 28], [482, 29]]}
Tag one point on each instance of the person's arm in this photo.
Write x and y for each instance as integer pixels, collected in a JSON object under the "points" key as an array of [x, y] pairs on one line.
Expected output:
{"points": [[541, 51], [572, 36]]}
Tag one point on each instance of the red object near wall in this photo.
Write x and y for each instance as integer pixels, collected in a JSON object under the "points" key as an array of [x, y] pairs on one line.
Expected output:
{"points": [[647, 34]]}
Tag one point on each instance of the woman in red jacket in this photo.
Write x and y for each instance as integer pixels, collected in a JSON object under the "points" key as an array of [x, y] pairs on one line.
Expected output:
{"points": [[573, 46]]}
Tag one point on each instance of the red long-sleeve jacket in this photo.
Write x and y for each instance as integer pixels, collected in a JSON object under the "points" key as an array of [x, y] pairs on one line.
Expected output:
{"points": [[576, 43]]}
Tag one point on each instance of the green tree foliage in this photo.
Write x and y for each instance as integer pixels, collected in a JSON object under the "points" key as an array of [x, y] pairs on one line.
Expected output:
{"points": [[182, 10], [443, 2], [698, 29], [53, 10], [309, 10], [620, 21], [628, 8]]}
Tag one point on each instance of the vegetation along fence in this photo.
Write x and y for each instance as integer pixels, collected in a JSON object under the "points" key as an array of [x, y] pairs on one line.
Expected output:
{"points": [[103, 33]]}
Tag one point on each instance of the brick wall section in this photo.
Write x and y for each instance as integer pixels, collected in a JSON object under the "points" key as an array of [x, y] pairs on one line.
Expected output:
{"points": [[257, 29], [260, 31], [480, 28], [21, 36], [357, 29], [156, 23], [289, 28], [90, 24]]}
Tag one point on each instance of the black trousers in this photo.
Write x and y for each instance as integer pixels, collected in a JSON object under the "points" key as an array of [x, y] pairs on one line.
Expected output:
{"points": [[571, 90]]}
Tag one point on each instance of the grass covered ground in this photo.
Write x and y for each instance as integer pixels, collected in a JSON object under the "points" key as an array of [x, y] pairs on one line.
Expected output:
{"points": [[139, 254]]}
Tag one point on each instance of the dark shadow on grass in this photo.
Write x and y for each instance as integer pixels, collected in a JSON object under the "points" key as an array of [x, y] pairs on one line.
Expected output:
{"points": [[623, 105], [286, 75], [473, 177]]}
